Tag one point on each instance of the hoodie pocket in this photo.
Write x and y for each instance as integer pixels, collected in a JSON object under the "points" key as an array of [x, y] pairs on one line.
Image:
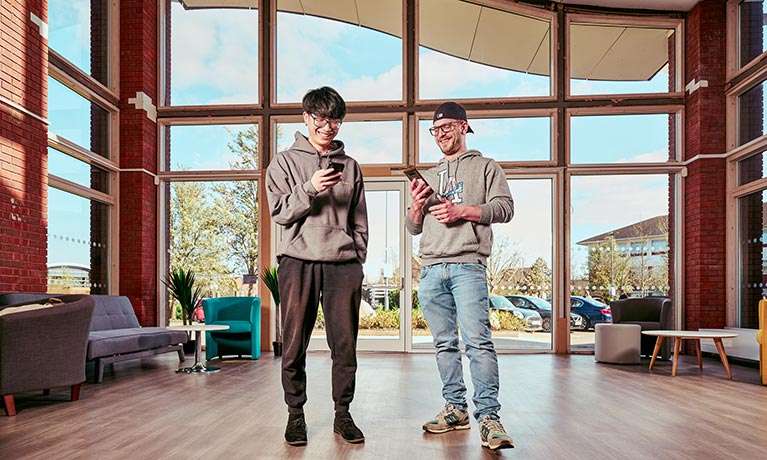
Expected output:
{"points": [[322, 243], [448, 240]]}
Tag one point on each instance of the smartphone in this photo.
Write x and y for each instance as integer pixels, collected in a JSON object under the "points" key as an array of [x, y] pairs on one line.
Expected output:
{"points": [[412, 173], [337, 167]]}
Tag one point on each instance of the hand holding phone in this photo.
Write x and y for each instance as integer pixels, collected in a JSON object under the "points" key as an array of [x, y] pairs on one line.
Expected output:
{"points": [[412, 173], [323, 179]]}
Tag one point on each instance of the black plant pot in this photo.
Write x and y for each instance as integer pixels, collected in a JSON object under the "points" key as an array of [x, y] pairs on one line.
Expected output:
{"points": [[277, 347], [190, 346]]}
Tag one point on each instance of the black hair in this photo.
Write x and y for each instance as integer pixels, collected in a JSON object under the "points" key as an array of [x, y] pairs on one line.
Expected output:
{"points": [[325, 102]]}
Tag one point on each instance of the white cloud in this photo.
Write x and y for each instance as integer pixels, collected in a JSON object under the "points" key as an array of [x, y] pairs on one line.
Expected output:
{"points": [[214, 48], [387, 86], [441, 74], [616, 201]]}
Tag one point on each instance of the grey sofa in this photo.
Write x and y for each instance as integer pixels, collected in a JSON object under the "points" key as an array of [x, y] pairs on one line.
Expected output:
{"points": [[115, 333], [651, 313], [43, 347]]}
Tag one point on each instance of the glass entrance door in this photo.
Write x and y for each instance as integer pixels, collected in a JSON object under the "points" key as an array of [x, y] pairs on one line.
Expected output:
{"points": [[382, 312]]}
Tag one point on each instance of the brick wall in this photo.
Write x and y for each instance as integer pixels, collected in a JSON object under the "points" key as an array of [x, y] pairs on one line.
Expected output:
{"points": [[23, 144], [704, 232], [138, 149]]}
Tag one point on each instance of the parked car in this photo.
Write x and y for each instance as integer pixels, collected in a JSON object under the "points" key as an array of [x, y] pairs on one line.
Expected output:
{"points": [[593, 311], [543, 307], [532, 319]]}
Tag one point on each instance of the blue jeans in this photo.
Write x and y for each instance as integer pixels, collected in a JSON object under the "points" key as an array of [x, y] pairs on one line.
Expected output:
{"points": [[452, 294]]}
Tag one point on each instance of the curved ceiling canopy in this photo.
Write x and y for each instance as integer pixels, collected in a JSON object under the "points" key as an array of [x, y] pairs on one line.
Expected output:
{"points": [[496, 37]]}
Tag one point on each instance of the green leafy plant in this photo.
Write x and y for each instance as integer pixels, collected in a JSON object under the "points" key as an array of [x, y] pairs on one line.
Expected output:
{"points": [[181, 285], [269, 277]]}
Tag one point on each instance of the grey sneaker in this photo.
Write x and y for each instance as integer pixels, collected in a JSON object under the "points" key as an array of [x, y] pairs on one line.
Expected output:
{"points": [[492, 433], [451, 418]]}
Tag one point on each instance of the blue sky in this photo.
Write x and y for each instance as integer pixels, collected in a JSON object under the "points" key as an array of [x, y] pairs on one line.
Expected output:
{"points": [[214, 60]]}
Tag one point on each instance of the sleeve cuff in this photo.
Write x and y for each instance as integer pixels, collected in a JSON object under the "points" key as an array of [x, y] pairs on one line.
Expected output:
{"points": [[309, 188]]}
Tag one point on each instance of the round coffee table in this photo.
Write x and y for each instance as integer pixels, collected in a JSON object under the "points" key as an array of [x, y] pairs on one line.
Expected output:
{"points": [[693, 335], [199, 367]]}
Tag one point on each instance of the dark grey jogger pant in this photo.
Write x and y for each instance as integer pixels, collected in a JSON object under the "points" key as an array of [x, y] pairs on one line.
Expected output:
{"points": [[303, 285]]}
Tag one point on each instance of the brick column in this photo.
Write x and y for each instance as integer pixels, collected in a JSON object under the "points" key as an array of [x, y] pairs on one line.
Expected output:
{"points": [[138, 150], [705, 188], [23, 147]]}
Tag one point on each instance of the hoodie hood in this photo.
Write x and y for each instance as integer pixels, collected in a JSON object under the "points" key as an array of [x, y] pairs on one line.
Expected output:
{"points": [[302, 145], [467, 154]]}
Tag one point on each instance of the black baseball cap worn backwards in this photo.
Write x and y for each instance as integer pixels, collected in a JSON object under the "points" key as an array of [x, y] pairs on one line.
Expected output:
{"points": [[451, 110]]}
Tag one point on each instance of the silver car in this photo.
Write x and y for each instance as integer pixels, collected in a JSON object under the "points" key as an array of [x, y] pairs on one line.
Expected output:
{"points": [[532, 319]]}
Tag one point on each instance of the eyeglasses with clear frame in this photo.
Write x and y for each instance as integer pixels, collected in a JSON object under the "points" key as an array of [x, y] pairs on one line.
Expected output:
{"points": [[322, 122], [446, 128]]}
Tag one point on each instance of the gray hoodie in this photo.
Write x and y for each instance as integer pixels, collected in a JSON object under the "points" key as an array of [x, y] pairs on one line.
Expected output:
{"points": [[470, 179], [331, 226]]}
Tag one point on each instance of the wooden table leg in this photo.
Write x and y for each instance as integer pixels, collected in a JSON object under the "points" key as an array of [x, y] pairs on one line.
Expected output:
{"points": [[658, 343], [723, 356], [700, 355], [677, 346]]}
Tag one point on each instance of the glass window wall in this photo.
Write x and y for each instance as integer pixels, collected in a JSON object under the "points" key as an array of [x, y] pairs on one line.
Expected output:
{"points": [[621, 138], [213, 54], [213, 147], [611, 232], [357, 50]]}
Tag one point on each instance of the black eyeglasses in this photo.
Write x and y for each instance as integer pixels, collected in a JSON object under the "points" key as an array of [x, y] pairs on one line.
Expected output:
{"points": [[322, 122], [446, 128]]}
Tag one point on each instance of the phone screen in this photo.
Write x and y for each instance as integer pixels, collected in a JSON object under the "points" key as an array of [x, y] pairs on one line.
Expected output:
{"points": [[337, 167]]}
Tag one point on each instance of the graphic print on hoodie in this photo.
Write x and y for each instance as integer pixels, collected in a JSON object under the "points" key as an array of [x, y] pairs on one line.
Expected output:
{"points": [[455, 188]]}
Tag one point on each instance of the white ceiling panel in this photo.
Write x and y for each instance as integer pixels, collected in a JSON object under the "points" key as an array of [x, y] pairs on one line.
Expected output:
{"points": [[500, 38], [637, 55], [507, 40]]}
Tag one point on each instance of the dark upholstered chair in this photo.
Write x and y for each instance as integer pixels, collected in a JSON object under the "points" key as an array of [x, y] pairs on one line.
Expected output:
{"points": [[651, 313], [115, 333], [43, 347], [243, 316]]}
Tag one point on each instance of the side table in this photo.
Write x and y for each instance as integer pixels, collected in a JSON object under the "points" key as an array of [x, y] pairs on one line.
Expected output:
{"points": [[199, 367]]}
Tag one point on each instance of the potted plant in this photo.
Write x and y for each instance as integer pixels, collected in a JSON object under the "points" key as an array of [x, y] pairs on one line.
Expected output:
{"points": [[269, 277], [181, 286]]}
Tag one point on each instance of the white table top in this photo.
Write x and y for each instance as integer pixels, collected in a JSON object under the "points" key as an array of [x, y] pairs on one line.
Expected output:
{"points": [[199, 327], [692, 334]]}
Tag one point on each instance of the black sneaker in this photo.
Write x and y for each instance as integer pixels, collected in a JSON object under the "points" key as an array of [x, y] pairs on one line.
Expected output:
{"points": [[295, 432], [344, 425]]}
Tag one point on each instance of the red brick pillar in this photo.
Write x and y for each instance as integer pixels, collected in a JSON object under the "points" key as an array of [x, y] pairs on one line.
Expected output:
{"points": [[23, 146], [138, 150], [704, 232]]}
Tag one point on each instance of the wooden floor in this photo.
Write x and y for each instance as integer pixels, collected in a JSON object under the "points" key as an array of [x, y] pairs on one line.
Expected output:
{"points": [[555, 407]]}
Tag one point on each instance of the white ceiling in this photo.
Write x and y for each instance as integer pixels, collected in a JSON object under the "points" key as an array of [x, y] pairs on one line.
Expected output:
{"points": [[671, 5], [473, 32]]}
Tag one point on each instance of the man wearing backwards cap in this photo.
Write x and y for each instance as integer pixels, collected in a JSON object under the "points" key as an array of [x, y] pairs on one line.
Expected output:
{"points": [[456, 240]]}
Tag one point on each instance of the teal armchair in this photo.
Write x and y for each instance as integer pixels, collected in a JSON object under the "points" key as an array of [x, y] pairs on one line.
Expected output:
{"points": [[243, 316]]}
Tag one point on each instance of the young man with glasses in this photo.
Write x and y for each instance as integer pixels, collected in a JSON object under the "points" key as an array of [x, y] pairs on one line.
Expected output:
{"points": [[316, 194], [456, 240]]}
